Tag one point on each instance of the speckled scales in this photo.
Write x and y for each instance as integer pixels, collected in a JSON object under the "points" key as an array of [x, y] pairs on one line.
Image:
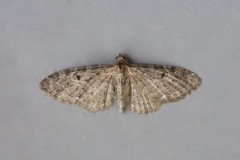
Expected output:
{"points": [[153, 85], [89, 87]]}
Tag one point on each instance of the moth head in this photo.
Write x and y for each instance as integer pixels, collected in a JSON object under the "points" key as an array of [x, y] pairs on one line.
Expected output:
{"points": [[121, 59]]}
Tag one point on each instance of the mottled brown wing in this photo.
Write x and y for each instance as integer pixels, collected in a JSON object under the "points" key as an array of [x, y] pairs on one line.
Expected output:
{"points": [[90, 87], [153, 85]]}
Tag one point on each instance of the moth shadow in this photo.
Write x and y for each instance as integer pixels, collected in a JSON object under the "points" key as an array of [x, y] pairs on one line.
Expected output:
{"points": [[129, 59]]}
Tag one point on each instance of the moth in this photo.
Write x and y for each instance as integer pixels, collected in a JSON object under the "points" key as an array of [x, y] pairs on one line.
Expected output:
{"points": [[141, 88]]}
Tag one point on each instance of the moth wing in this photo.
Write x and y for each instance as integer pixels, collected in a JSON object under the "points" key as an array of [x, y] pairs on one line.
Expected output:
{"points": [[91, 87], [153, 85]]}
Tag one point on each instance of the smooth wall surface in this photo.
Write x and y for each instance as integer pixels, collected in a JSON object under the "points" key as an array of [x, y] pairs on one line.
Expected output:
{"points": [[40, 37]]}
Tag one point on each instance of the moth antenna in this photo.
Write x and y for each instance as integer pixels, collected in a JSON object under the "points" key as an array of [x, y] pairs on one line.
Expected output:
{"points": [[121, 54]]}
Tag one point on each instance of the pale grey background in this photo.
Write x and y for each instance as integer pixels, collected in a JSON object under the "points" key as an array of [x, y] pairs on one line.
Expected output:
{"points": [[40, 37]]}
